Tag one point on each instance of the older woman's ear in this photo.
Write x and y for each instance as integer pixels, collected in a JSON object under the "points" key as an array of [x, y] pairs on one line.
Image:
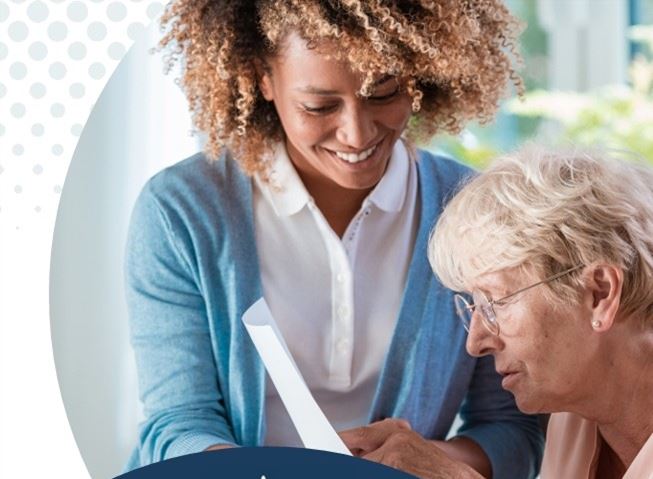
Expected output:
{"points": [[603, 285]]}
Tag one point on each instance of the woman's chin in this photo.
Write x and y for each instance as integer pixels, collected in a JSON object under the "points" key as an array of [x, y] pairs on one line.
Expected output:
{"points": [[531, 404]]}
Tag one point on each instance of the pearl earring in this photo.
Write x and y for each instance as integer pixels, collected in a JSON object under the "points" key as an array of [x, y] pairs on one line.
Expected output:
{"points": [[596, 324]]}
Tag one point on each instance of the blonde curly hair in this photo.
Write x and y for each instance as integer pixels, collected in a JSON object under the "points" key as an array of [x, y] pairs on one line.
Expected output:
{"points": [[455, 58]]}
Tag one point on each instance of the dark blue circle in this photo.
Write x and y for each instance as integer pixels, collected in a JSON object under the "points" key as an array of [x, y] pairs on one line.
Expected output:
{"points": [[271, 462]]}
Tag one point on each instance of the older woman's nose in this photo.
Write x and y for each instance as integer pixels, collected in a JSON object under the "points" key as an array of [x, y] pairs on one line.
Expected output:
{"points": [[357, 128], [480, 341]]}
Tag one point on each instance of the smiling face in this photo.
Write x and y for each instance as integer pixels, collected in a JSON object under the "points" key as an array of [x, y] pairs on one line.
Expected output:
{"points": [[334, 137], [544, 352]]}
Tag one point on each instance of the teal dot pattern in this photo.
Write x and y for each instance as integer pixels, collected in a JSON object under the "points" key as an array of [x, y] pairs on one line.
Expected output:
{"points": [[38, 51], [55, 59]]}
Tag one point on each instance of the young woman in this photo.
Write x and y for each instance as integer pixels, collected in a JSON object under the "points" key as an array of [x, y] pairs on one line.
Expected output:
{"points": [[311, 196]]}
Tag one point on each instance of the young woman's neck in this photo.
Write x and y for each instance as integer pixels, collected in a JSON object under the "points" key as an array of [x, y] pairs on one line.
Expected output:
{"points": [[338, 205]]}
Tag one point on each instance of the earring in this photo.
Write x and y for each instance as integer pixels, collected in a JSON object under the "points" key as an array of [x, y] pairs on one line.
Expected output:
{"points": [[596, 324]]}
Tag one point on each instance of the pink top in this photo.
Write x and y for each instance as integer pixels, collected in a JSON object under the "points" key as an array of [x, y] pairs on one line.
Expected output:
{"points": [[572, 450]]}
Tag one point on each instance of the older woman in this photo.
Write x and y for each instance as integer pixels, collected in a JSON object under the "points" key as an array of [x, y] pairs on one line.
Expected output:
{"points": [[555, 254], [315, 201]]}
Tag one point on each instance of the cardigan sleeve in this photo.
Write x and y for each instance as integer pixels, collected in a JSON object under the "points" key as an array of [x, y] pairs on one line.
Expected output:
{"points": [[178, 380], [513, 441]]}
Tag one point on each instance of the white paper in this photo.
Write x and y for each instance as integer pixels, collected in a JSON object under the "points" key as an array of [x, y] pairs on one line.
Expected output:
{"points": [[313, 427]]}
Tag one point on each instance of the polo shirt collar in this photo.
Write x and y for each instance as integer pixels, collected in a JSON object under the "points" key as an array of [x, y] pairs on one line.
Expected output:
{"points": [[390, 193], [285, 190], [287, 194]]}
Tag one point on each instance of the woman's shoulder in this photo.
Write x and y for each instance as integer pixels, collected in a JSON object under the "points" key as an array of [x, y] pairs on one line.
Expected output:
{"points": [[195, 192], [197, 207], [442, 163], [441, 175], [197, 175]]}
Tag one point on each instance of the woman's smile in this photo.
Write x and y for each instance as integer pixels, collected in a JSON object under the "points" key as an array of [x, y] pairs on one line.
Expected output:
{"points": [[350, 143], [355, 157], [361, 159]]}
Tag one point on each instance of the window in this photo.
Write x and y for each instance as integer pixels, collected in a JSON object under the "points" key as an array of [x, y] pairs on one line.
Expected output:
{"points": [[585, 72]]}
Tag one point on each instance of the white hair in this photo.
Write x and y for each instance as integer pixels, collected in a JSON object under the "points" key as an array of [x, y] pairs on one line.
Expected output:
{"points": [[549, 211]]}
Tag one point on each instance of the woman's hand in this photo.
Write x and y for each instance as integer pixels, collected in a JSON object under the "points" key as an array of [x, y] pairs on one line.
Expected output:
{"points": [[392, 442]]}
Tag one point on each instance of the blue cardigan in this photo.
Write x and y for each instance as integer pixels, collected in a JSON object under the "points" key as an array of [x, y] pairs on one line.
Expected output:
{"points": [[192, 271]]}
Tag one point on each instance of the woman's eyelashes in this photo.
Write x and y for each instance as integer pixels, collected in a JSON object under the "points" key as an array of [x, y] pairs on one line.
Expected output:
{"points": [[328, 108], [506, 302], [385, 97], [317, 110]]}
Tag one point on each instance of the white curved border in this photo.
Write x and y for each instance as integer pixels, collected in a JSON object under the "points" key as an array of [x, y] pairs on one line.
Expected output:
{"points": [[35, 438]]}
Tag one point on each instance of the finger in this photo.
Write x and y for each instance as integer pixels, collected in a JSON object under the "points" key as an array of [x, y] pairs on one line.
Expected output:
{"points": [[357, 452], [368, 438], [362, 439], [405, 451], [378, 455], [399, 422], [391, 424], [386, 455]]}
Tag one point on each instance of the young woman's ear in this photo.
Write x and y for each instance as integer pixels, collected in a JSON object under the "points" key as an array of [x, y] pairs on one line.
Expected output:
{"points": [[603, 285], [264, 80]]}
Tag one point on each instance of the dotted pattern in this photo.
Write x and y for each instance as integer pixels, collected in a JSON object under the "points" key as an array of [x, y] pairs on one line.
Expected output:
{"points": [[55, 58]]}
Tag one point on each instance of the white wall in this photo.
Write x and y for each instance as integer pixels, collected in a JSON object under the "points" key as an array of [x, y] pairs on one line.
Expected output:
{"points": [[139, 125], [588, 46]]}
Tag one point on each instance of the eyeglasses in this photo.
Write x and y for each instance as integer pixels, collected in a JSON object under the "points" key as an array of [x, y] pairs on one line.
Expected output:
{"points": [[485, 306]]}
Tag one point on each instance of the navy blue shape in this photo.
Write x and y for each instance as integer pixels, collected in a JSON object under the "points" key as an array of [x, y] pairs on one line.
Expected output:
{"points": [[271, 462]]}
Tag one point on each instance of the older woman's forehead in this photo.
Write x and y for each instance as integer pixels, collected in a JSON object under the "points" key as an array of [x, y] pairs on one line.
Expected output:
{"points": [[501, 281]]}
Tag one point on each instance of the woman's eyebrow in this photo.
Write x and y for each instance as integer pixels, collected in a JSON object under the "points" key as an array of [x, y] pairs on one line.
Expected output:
{"points": [[488, 286], [316, 90]]}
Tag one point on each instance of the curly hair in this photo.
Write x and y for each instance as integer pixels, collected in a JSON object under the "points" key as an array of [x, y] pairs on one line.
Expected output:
{"points": [[455, 58]]}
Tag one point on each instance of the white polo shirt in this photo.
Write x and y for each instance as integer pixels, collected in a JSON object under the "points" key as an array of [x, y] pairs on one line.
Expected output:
{"points": [[336, 301]]}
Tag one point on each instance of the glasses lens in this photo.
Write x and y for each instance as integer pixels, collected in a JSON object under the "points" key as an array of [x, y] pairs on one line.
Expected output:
{"points": [[487, 312], [464, 310]]}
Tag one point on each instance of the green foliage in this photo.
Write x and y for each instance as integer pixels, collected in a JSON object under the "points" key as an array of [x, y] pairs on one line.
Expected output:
{"points": [[467, 149], [614, 116], [618, 116]]}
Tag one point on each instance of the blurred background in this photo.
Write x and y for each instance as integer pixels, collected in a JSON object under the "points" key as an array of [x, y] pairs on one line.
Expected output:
{"points": [[588, 73], [588, 70]]}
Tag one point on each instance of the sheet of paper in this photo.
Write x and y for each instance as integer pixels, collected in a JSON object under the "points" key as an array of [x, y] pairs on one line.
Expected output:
{"points": [[313, 427]]}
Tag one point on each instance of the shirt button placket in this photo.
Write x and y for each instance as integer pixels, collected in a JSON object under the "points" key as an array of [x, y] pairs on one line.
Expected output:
{"points": [[342, 321]]}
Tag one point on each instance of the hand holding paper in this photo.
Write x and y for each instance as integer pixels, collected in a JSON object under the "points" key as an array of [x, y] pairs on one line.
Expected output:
{"points": [[309, 420]]}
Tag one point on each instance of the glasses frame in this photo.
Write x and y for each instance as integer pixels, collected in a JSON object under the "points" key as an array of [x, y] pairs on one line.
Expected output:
{"points": [[491, 323]]}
